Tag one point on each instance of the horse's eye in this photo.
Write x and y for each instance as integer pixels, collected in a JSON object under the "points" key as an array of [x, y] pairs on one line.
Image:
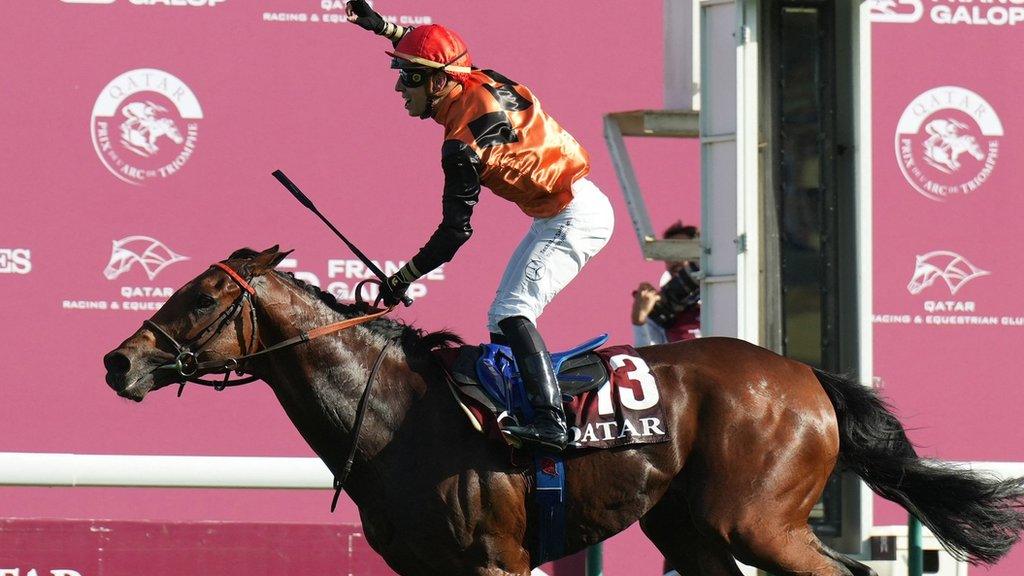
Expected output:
{"points": [[204, 301]]}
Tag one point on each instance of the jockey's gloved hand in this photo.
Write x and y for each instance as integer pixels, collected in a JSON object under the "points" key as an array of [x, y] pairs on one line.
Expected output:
{"points": [[397, 284], [360, 13]]}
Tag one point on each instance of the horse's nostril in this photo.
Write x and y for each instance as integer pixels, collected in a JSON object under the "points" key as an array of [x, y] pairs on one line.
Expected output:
{"points": [[117, 363]]}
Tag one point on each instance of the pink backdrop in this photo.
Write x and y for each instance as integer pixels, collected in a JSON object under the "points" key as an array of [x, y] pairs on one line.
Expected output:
{"points": [[316, 99], [251, 88], [956, 386]]}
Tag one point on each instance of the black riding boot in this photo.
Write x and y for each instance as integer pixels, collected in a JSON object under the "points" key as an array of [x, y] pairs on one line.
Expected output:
{"points": [[547, 430]]}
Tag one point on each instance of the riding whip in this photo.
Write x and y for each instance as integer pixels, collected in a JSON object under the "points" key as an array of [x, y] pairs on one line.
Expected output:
{"points": [[305, 201]]}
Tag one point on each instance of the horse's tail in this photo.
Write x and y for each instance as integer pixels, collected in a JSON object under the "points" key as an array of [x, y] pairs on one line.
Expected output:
{"points": [[978, 518]]}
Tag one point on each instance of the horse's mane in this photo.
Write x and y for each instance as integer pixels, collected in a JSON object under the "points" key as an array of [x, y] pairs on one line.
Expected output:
{"points": [[416, 343]]}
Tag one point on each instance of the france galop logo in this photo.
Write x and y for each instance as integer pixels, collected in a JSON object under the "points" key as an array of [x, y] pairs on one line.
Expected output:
{"points": [[145, 125], [896, 11]]}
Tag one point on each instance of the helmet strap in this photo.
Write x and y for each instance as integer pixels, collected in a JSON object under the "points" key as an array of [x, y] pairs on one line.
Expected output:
{"points": [[434, 98], [428, 111]]}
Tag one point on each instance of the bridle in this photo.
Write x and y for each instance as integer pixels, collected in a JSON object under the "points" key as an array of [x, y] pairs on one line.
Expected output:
{"points": [[187, 364], [186, 355], [186, 361]]}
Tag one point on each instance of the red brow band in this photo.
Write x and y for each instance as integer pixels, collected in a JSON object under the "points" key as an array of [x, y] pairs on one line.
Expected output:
{"points": [[236, 277]]}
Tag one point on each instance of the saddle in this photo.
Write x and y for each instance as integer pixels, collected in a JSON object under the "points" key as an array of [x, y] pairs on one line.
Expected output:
{"points": [[486, 384], [487, 376]]}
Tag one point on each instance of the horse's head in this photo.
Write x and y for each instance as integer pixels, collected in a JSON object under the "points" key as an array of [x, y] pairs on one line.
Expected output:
{"points": [[971, 146], [167, 128], [925, 274], [209, 318]]}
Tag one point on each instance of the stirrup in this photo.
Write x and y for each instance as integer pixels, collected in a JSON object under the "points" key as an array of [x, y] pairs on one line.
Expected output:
{"points": [[526, 441]]}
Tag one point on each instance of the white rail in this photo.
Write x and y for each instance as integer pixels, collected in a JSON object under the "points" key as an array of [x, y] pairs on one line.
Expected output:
{"points": [[47, 469], [50, 469]]}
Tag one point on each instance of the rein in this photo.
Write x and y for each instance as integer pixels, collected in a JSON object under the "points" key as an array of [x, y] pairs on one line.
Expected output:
{"points": [[339, 480], [186, 359], [187, 364]]}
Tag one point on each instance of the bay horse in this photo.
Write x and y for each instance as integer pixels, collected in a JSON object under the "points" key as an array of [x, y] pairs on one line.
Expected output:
{"points": [[754, 437]]}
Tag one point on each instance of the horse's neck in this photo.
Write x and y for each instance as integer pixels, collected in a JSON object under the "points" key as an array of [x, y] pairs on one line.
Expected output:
{"points": [[319, 383]]}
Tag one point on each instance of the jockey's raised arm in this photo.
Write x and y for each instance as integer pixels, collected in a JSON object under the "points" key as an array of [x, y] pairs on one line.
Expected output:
{"points": [[497, 135]]}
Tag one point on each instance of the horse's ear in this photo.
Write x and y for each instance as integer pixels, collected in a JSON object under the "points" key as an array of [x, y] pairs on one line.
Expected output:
{"points": [[266, 260]]}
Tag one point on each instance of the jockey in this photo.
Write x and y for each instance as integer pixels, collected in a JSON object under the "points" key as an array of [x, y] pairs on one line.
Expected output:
{"points": [[497, 135]]}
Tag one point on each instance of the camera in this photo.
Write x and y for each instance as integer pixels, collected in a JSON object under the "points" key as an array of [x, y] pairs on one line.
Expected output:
{"points": [[677, 295]]}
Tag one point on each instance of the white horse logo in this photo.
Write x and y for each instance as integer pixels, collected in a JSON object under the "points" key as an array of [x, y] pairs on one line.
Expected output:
{"points": [[953, 268], [153, 255], [945, 144], [141, 128]]}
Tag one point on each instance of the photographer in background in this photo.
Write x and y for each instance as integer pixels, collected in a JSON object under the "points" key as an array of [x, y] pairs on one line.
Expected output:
{"points": [[670, 313]]}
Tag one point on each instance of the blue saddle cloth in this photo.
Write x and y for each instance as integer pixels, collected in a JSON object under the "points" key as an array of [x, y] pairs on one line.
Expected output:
{"points": [[499, 377], [496, 374]]}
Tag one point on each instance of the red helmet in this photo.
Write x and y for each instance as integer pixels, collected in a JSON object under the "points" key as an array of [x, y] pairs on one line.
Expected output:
{"points": [[434, 46]]}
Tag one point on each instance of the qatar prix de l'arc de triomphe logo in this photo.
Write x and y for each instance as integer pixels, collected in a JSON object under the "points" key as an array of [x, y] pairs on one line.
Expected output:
{"points": [[947, 142], [145, 125]]}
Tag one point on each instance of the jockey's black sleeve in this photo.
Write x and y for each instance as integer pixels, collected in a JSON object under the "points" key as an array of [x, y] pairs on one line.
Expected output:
{"points": [[461, 168]]}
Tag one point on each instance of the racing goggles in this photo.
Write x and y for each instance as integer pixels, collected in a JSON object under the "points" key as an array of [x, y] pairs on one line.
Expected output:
{"points": [[414, 77]]}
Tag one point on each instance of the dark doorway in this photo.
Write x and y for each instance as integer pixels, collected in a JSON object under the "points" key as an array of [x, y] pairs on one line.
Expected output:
{"points": [[808, 208]]}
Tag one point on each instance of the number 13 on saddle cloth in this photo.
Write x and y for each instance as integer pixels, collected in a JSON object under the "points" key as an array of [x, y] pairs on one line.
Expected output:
{"points": [[625, 410], [610, 396]]}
